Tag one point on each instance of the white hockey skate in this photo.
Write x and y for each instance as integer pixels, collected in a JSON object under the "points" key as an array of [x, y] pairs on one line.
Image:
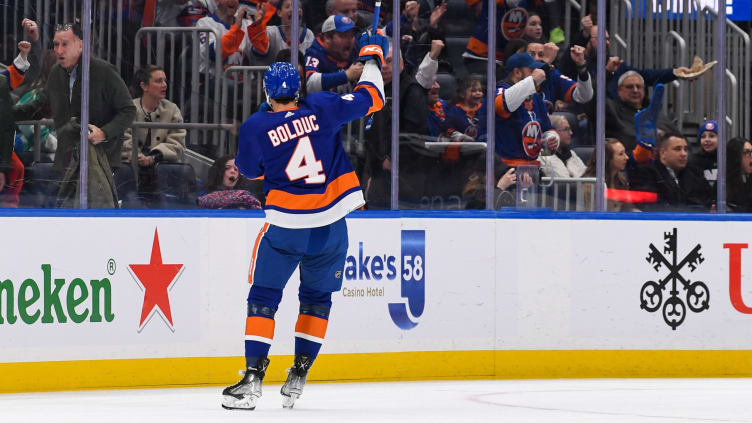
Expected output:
{"points": [[296, 379], [245, 394]]}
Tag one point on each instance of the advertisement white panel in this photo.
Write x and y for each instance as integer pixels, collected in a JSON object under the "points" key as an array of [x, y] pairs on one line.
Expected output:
{"points": [[114, 288], [590, 284]]}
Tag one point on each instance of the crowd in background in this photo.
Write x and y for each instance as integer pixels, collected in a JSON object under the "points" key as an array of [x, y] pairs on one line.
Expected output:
{"points": [[544, 108]]}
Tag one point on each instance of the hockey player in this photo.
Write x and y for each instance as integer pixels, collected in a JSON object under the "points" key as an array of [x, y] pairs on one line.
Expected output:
{"points": [[310, 186]]}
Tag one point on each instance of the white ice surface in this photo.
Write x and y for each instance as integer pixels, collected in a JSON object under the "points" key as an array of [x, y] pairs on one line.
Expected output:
{"points": [[561, 401]]}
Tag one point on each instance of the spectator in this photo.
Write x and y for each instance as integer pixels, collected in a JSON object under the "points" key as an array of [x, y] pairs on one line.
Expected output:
{"points": [[412, 120], [347, 8], [678, 187], [474, 192], [11, 182], [9, 79], [34, 57], [558, 87], [329, 64], [738, 179], [620, 113], [226, 188], [522, 125], [615, 67], [565, 163], [231, 25], [111, 112], [25, 133], [154, 145], [534, 29], [511, 19], [705, 160], [466, 104], [267, 41], [614, 177]]}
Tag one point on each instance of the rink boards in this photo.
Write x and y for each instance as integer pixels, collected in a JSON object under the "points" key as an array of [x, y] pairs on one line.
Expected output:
{"points": [[95, 302]]}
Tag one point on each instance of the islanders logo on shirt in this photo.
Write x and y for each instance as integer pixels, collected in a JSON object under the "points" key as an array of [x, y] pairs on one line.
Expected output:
{"points": [[513, 23], [531, 139]]}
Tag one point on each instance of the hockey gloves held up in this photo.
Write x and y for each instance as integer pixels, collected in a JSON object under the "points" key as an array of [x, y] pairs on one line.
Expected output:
{"points": [[374, 46]]}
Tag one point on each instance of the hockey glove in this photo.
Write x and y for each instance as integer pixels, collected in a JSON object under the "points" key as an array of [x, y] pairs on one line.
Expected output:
{"points": [[375, 46]]}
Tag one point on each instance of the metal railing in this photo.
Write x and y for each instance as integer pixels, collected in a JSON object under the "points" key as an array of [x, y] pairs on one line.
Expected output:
{"points": [[649, 33], [196, 93], [568, 194], [107, 30]]}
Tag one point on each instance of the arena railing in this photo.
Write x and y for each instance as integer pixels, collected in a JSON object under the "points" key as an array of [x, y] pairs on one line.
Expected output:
{"points": [[107, 32], [643, 32], [197, 93]]}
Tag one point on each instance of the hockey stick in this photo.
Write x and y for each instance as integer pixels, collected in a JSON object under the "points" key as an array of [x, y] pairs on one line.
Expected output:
{"points": [[374, 28]]}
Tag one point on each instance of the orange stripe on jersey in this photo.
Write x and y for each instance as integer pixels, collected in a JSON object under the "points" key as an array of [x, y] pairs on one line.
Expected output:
{"points": [[259, 326], [255, 252], [311, 325], [477, 46], [377, 103], [520, 162], [570, 91], [335, 188], [501, 110], [16, 77]]}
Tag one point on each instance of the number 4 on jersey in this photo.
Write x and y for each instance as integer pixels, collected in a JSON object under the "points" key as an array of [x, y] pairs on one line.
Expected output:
{"points": [[303, 164]]}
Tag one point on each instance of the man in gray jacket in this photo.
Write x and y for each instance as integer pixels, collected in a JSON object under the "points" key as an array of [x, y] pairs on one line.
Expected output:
{"points": [[110, 113]]}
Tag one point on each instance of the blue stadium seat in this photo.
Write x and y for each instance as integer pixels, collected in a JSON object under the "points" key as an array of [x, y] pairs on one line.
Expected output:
{"points": [[177, 184], [41, 186], [127, 190], [448, 85], [585, 152]]}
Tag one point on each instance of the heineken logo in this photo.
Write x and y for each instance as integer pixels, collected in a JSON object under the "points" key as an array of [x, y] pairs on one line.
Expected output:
{"points": [[56, 300]]}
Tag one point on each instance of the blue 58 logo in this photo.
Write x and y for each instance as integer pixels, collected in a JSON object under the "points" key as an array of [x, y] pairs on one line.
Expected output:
{"points": [[413, 286]]}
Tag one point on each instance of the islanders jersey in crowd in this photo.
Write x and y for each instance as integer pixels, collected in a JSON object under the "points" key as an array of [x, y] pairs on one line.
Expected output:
{"points": [[511, 18], [464, 120], [557, 87], [308, 179], [439, 122], [324, 72], [518, 132]]}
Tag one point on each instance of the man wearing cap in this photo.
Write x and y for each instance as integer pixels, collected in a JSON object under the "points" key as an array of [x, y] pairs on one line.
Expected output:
{"points": [[329, 63], [522, 125]]}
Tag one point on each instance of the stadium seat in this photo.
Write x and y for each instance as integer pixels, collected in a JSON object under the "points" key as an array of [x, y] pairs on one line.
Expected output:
{"points": [[448, 86], [127, 190], [177, 184], [455, 46], [585, 152], [41, 187]]}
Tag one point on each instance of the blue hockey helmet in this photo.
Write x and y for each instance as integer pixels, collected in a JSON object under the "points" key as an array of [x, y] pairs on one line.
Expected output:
{"points": [[281, 80]]}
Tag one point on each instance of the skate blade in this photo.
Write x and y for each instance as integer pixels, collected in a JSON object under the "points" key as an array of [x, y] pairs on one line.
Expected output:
{"points": [[245, 403], [289, 401]]}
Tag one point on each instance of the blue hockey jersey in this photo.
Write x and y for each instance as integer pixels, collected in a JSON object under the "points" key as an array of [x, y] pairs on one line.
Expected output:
{"points": [[518, 132], [308, 178]]}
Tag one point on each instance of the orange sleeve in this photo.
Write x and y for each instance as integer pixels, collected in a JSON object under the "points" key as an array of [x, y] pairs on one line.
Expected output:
{"points": [[642, 154], [377, 104], [257, 30], [16, 77], [231, 41], [501, 110]]}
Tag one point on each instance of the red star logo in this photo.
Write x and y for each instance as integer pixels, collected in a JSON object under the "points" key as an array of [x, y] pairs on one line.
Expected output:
{"points": [[155, 279]]}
